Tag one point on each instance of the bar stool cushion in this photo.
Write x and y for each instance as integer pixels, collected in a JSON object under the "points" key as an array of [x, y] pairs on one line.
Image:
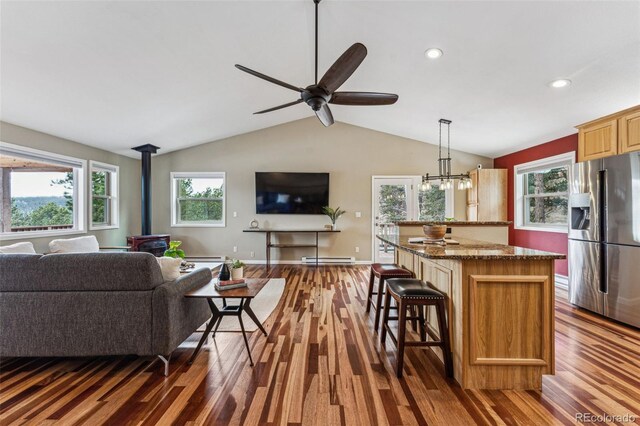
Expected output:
{"points": [[389, 269], [413, 288]]}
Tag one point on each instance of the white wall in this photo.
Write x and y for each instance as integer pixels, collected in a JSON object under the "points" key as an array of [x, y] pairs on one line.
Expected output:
{"points": [[352, 155], [129, 214]]}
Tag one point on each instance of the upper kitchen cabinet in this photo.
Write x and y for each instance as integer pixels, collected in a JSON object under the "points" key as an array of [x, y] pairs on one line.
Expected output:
{"points": [[487, 199], [611, 135]]}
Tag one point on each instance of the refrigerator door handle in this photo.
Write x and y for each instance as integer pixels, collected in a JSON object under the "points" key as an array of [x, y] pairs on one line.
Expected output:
{"points": [[604, 285], [602, 194]]}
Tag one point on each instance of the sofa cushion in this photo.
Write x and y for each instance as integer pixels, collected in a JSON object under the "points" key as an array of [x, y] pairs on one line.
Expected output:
{"points": [[18, 248], [88, 244], [79, 272], [170, 267]]}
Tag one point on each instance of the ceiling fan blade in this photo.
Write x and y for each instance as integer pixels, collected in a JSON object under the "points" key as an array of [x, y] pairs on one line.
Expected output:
{"points": [[342, 69], [279, 107], [363, 98], [269, 79], [325, 116]]}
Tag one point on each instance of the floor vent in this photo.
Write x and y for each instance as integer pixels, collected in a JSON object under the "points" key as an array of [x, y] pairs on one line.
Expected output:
{"points": [[329, 260]]}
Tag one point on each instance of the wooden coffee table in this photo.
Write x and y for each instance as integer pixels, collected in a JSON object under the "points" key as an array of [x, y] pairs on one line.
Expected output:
{"points": [[245, 294]]}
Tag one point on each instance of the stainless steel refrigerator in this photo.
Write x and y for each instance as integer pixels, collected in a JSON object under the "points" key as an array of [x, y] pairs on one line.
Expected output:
{"points": [[604, 237]]}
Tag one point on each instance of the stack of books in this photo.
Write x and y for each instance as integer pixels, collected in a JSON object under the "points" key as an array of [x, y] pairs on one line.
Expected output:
{"points": [[229, 284]]}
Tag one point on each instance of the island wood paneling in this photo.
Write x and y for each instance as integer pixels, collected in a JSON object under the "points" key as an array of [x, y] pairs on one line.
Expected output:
{"points": [[321, 365]]}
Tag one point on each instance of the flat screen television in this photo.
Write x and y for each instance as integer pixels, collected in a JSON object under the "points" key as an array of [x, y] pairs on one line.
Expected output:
{"points": [[291, 193]]}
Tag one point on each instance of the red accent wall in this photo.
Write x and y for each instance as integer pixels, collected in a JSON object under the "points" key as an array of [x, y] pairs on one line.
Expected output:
{"points": [[549, 241]]}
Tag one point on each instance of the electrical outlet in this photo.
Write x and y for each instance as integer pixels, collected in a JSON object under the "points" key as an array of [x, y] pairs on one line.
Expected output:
{"points": [[358, 214], [235, 249], [253, 254], [357, 249], [235, 214]]}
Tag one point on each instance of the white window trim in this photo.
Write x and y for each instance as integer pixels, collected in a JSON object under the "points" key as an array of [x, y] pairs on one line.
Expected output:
{"points": [[79, 193], [518, 196], [195, 175], [113, 199]]}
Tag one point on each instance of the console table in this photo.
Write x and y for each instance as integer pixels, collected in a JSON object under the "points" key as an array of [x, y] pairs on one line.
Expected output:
{"points": [[270, 245]]}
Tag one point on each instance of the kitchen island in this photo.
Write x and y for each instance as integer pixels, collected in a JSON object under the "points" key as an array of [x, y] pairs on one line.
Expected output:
{"points": [[500, 308], [491, 231]]}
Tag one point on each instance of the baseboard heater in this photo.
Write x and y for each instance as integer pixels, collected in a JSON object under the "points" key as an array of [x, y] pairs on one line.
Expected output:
{"points": [[207, 259], [326, 260]]}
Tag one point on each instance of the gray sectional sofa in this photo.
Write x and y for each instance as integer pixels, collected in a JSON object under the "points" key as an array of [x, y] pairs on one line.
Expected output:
{"points": [[92, 304]]}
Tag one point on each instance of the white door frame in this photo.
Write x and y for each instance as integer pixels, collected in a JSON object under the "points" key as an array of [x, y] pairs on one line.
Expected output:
{"points": [[413, 215]]}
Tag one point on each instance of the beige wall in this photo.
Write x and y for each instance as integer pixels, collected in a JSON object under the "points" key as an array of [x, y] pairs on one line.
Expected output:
{"points": [[352, 155], [129, 214]]}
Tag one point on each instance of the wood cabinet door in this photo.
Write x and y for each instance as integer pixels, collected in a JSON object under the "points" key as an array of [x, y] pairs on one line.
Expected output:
{"points": [[629, 128], [472, 212], [598, 140], [440, 278], [472, 193], [492, 195]]}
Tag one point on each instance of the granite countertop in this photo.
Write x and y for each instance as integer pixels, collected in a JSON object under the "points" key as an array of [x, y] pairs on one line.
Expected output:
{"points": [[468, 250], [453, 223]]}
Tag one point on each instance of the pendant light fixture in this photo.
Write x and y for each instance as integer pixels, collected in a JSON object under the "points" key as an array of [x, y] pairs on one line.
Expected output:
{"points": [[444, 166]]}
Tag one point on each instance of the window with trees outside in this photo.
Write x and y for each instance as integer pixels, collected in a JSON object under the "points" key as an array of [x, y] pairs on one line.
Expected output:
{"points": [[42, 194], [104, 195], [198, 199], [543, 193]]}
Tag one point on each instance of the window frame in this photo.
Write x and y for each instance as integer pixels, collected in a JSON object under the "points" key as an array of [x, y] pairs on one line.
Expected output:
{"points": [[521, 222], [113, 204], [79, 191], [174, 176]]}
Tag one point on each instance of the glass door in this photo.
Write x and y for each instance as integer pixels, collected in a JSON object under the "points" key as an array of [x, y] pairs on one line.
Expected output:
{"points": [[394, 198]]}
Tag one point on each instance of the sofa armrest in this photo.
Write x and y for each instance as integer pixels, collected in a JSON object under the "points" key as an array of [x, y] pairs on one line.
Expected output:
{"points": [[176, 317]]}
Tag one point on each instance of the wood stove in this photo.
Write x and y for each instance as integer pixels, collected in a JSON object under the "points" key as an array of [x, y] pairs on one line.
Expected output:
{"points": [[154, 244]]}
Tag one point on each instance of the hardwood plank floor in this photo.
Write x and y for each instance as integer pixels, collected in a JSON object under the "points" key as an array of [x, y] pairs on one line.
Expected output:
{"points": [[321, 364]]}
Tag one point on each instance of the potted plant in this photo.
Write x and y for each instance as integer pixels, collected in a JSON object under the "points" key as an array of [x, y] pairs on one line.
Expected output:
{"points": [[174, 251], [333, 214], [237, 269]]}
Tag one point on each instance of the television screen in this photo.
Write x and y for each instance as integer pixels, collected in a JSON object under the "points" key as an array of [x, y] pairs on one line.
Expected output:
{"points": [[291, 193]]}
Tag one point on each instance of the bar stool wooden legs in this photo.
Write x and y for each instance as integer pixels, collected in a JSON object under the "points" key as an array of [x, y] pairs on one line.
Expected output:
{"points": [[411, 292], [383, 272]]}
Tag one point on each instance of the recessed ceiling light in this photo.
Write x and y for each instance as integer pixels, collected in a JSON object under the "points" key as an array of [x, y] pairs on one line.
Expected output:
{"points": [[558, 84], [433, 53]]}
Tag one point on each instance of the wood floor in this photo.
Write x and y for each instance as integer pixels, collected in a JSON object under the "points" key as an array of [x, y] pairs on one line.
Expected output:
{"points": [[322, 365]]}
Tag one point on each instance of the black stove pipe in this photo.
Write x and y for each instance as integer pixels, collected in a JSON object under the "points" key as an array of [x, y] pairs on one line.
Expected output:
{"points": [[146, 151]]}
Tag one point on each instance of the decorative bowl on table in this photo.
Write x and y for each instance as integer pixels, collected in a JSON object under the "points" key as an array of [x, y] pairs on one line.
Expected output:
{"points": [[434, 232]]}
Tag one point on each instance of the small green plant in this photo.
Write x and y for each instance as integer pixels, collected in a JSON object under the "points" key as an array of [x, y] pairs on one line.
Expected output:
{"points": [[237, 263], [174, 251], [333, 214], [450, 219]]}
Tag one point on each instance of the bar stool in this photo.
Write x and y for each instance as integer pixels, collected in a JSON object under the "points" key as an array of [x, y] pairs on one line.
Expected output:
{"points": [[411, 292], [383, 271]]}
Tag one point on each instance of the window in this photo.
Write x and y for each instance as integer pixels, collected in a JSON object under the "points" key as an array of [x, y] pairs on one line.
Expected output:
{"points": [[42, 193], [542, 193], [435, 204], [198, 199], [104, 196]]}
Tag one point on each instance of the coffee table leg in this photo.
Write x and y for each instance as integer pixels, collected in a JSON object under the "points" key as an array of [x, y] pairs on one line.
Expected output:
{"points": [[217, 325], [215, 316], [252, 315], [244, 336]]}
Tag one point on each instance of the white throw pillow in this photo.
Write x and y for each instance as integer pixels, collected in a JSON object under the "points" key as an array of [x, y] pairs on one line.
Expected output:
{"points": [[170, 267], [18, 248], [88, 244]]}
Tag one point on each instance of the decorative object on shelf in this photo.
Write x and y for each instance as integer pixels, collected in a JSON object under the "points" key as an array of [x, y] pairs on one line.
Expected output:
{"points": [[444, 166], [319, 95], [237, 269], [221, 285], [225, 273], [254, 224], [333, 214], [435, 232], [174, 251]]}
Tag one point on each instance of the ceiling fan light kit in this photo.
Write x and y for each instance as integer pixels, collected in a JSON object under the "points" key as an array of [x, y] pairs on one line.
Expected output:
{"points": [[444, 166], [322, 93]]}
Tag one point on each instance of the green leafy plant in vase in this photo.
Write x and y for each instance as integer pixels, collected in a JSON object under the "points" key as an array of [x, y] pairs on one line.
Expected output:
{"points": [[333, 214], [237, 269], [174, 251]]}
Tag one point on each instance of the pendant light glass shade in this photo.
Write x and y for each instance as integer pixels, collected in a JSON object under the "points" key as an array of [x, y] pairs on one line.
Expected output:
{"points": [[462, 184]]}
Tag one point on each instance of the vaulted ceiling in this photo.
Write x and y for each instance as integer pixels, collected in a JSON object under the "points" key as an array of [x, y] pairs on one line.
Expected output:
{"points": [[119, 74]]}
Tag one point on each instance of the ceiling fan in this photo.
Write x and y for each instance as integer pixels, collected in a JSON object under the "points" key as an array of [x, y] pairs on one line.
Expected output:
{"points": [[323, 92]]}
